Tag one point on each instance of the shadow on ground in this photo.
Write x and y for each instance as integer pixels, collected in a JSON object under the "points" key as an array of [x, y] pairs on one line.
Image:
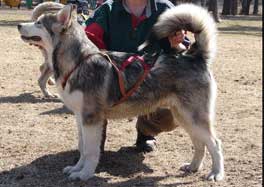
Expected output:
{"points": [[242, 17], [238, 29], [57, 111], [27, 98], [4, 23], [47, 171]]}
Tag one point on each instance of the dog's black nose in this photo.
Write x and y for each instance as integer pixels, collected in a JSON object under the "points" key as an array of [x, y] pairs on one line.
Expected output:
{"points": [[19, 26]]}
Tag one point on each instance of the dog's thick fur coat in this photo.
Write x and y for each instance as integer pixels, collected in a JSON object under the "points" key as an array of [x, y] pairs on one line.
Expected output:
{"points": [[181, 82]]}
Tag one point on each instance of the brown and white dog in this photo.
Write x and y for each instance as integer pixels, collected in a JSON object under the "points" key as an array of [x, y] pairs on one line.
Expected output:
{"points": [[88, 83]]}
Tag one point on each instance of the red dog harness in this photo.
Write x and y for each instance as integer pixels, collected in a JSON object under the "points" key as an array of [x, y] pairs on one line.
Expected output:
{"points": [[125, 94]]}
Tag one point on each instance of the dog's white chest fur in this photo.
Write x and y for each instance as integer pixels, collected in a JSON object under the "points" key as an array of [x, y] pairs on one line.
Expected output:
{"points": [[73, 100]]}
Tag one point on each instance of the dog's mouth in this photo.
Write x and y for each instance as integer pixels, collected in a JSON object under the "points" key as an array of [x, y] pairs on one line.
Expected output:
{"points": [[31, 38]]}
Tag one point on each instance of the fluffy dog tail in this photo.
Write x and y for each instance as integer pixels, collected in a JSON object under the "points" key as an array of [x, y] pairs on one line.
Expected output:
{"points": [[191, 18], [44, 8]]}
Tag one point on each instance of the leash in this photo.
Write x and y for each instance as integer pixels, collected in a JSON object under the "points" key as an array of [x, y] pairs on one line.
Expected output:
{"points": [[125, 94]]}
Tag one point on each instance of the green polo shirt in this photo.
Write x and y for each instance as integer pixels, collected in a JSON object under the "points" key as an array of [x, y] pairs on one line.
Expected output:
{"points": [[119, 32]]}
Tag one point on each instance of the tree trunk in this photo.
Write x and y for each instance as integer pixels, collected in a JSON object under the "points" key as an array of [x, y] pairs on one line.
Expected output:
{"points": [[195, 1], [234, 6], [203, 3], [245, 7], [243, 4], [248, 7], [213, 6], [230, 7], [256, 3], [226, 7]]}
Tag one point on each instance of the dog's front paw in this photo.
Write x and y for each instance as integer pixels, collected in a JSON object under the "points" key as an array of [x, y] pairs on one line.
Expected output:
{"points": [[55, 96], [67, 170], [215, 176], [49, 95], [83, 176], [71, 169], [189, 168]]}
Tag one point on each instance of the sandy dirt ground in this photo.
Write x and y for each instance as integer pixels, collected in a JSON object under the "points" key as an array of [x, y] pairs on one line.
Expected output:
{"points": [[38, 136]]}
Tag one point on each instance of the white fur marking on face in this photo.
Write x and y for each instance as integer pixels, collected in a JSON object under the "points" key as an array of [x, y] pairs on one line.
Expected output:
{"points": [[30, 29]]}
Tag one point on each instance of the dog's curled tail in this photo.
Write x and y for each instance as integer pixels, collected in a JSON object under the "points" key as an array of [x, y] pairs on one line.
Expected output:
{"points": [[191, 18], [46, 7]]}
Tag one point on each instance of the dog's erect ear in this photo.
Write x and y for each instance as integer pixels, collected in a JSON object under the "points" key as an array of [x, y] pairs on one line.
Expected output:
{"points": [[74, 12], [64, 15]]}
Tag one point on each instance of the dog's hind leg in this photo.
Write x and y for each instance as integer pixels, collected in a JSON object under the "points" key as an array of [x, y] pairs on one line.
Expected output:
{"points": [[199, 152], [202, 135], [213, 145], [90, 152], [199, 126], [45, 75], [183, 119]]}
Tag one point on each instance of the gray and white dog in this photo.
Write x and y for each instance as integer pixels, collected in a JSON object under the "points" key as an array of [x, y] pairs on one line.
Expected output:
{"points": [[88, 83]]}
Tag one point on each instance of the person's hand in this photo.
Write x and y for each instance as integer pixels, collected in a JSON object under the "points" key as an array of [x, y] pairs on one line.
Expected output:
{"points": [[176, 38]]}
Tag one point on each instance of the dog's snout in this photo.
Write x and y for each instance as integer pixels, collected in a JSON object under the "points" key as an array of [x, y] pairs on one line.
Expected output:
{"points": [[19, 26]]}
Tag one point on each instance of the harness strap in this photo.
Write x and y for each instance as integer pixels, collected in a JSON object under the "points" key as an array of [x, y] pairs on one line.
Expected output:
{"points": [[119, 74], [67, 76], [146, 68], [134, 88], [130, 60]]}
